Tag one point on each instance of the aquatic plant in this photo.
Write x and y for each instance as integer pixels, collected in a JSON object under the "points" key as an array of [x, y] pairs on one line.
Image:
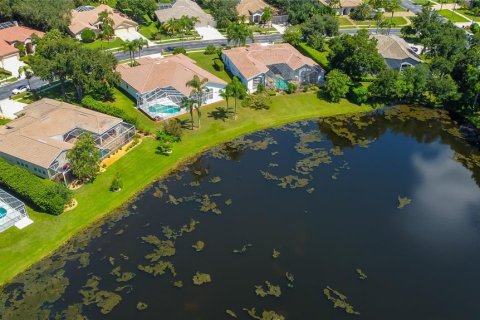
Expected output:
{"points": [[209, 205], [361, 274], [159, 268], [339, 300], [178, 284], [201, 278], [228, 202], [243, 249], [403, 202], [231, 313], [271, 290], [142, 306], [215, 179], [275, 254], [266, 315], [104, 300], [199, 245]]}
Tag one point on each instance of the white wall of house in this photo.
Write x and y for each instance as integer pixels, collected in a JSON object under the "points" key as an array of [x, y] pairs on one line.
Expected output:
{"points": [[215, 88], [233, 70], [37, 170], [11, 63], [129, 89]]}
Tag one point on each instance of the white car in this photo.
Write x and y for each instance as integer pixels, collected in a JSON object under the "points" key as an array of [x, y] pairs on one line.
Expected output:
{"points": [[21, 89]]}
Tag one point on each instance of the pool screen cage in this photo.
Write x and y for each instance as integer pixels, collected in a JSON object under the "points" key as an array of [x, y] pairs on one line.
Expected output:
{"points": [[151, 98], [15, 210]]}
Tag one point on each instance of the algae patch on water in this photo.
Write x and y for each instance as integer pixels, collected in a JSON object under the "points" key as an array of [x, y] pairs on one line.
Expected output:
{"points": [[201, 278], [199, 245], [266, 315], [275, 254], [231, 313], [361, 275], [142, 306], [339, 300], [104, 300], [243, 249], [403, 202], [270, 290]]}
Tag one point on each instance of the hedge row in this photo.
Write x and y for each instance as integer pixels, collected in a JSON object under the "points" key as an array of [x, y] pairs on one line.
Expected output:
{"points": [[95, 105], [44, 195]]}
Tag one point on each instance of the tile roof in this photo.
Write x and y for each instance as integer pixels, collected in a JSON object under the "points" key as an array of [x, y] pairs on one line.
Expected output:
{"points": [[11, 35], [345, 3], [253, 60], [247, 7], [87, 19], [7, 49], [173, 71], [37, 136], [185, 8], [393, 47]]}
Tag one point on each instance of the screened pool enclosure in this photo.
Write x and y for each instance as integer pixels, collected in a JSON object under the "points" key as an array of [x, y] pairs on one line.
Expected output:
{"points": [[12, 210]]}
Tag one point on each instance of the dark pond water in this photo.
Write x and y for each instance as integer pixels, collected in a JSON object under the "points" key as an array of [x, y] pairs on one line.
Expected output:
{"points": [[322, 196]]}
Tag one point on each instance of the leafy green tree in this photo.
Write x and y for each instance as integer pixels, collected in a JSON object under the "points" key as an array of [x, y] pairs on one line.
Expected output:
{"points": [[107, 32], [198, 87], [26, 70], [223, 11], [44, 15], [257, 101], [267, 15], [6, 11], [416, 83], [363, 12], [293, 35], [444, 89], [137, 9], [88, 36], [337, 85], [356, 55], [117, 183], [238, 34], [84, 158], [238, 91], [387, 87]]}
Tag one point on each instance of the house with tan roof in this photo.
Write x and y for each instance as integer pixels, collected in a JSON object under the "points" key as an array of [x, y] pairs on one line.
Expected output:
{"points": [[39, 139], [181, 8], [10, 36], [272, 65], [396, 52], [86, 17], [252, 9], [159, 84], [345, 7]]}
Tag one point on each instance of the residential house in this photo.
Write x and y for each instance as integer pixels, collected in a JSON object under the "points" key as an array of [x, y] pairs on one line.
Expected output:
{"points": [[253, 10], [345, 7], [181, 8], [86, 17], [272, 65], [11, 35], [39, 139], [397, 52], [159, 84]]}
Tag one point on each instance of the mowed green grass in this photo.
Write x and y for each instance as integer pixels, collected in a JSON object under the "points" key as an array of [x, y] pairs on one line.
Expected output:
{"points": [[206, 61], [397, 21], [97, 44], [452, 16], [19, 249]]}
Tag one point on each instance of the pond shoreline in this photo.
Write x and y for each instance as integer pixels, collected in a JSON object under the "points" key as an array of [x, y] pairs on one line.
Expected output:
{"points": [[305, 106]]}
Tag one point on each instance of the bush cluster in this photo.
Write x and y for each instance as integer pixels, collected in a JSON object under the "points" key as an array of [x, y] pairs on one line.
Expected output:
{"points": [[95, 105], [45, 195], [88, 36]]}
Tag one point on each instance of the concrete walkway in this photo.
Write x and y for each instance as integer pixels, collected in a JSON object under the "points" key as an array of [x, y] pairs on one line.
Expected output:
{"points": [[209, 33], [9, 107], [280, 28]]}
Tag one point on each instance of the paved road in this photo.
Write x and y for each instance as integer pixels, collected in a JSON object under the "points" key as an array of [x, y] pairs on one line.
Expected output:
{"points": [[410, 5], [35, 83]]}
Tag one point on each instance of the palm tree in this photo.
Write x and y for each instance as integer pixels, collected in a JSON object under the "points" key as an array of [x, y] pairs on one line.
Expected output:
{"points": [[171, 26], [27, 71], [237, 89], [106, 25], [378, 17], [188, 104], [266, 16], [140, 43], [238, 33], [198, 86], [130, 47], [226, 94]]}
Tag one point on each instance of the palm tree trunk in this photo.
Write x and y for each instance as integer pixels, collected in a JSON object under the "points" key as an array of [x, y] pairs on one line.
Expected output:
{"points": [[199, 114], [235, 111], [191, 115]]}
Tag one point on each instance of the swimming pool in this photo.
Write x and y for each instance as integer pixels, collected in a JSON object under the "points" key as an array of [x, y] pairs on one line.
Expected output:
{"points": [[3, 212], [281, 84], [170, 109]]}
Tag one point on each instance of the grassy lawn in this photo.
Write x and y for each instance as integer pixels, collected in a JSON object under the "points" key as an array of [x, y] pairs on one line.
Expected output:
{"points": [[19, 249], [206, 61], [467, 13], [317, 56], [4, 121], [398, 21], [421, 2], [452, 16], [148, 30], [344, 22], [106, 44]]}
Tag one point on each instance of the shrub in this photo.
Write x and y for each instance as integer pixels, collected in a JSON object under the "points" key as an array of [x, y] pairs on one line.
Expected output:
{"points": [[257, 102], [337, 85], [291, 88], [45, 195], [358, 94], [218, 65], [271, 93], [173, 128], [117, 183], [92, 104], [211, 49], [88, 36], [260, 88], [179, 50]]}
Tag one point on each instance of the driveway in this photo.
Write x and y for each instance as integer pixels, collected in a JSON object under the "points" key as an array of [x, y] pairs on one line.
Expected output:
{"points": [[209, 33], [280, 28], [129, 35], [9, 107]]}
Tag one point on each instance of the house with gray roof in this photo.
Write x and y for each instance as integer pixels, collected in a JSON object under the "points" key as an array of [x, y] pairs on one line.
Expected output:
{"points": [[397, 52], [181, 8]]}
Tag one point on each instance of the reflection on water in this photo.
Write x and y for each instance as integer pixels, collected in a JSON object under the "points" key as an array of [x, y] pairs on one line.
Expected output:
{"points": [[285, 224]]}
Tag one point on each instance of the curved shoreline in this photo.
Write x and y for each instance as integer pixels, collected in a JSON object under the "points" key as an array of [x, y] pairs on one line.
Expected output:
{"points": [[21, 249]]}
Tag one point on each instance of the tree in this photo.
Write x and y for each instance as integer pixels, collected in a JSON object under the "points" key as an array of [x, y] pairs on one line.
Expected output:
{"points": [[238, 34], [137, 9], [226, 94], [188, 103], [44, 15], [198, 88], [363, 12], [238, 90], [337, 85], [171, 26], [223, 11], [130, 47], [257, 101], [293, 35], [88, 36], [356, 55], [267, 15], [117, 183], [387, 87], [391, 6], [84, 158], [444, 89], [378, 17], [27, 71], [415, 83], [107, 24], [139, 44]]}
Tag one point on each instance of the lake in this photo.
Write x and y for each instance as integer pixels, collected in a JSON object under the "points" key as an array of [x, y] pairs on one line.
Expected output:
{"points": [[370, 217]]}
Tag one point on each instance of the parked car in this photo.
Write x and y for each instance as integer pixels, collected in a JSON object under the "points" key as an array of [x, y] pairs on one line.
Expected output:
{"points": [[21, 89]]}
